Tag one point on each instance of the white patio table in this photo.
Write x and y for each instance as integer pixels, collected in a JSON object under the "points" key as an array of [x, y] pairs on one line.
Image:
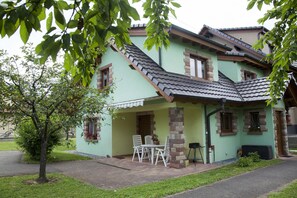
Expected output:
{"points": [[152, 148]]}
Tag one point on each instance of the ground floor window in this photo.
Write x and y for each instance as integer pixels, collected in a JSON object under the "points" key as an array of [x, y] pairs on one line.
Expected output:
{"points": [[226, 123], [91, 129]]}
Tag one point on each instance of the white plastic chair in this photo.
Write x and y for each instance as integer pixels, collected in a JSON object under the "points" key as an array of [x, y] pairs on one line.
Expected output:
{"points": [[148, 140], [164, 153], [137, 142]]}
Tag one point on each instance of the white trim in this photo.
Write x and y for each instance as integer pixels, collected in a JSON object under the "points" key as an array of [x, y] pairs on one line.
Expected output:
{"points": [[128, 104]]}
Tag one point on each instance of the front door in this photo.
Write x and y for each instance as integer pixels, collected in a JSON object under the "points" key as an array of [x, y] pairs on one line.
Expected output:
{"points": [[279, 133], [145, 125]]}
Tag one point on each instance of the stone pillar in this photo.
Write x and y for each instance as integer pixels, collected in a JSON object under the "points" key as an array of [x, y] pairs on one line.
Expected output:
{"points": [[176, 137]]}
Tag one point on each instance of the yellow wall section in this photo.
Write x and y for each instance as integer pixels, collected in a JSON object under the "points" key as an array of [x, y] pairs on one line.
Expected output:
{"points": [[193, 127], [123, 127], [161, 124]]}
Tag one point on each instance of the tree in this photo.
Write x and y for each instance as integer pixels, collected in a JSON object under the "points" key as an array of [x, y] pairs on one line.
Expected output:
{"points": [[282, 38], [46, 95], [83, 28]]}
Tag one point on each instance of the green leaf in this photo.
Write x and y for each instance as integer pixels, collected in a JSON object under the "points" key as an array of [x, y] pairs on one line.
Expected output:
{"points": [[68, 62], [77, 38], [72, 24], [55, 49], [85, 8], [63, 5], [60, 19], [49, 21], [39, 48], [66, 41], [42, 14], [24, 32], [9, 28], [260, 4], [177, 5], [251, 4]]}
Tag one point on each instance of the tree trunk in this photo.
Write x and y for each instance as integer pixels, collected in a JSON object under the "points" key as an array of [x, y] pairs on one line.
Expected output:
{"points": [[42, 168]]}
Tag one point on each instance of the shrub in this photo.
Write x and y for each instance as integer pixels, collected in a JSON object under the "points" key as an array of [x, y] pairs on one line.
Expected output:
{"points": [[254, 156], [29, 141], [244, 162]]}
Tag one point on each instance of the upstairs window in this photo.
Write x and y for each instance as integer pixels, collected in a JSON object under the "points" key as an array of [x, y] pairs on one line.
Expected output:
{"points": [[105, 77], [249, 75], [197, 67]]}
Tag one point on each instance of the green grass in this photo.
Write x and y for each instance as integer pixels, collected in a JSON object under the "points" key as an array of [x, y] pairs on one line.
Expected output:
{"points": [[59, 153], [57, 156], [289, 191], [8, 146], [69, 187]]}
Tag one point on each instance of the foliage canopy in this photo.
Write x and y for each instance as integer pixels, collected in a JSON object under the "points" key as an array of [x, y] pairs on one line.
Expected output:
{"points": [[83, 28], [283, 40]]}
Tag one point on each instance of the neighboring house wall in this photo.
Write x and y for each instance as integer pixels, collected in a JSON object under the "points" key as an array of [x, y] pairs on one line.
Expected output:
{"points": [[248, 36], [6, 130]]}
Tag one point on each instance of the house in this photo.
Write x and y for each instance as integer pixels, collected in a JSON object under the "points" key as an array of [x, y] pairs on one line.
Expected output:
{"points": [[209, 88]]}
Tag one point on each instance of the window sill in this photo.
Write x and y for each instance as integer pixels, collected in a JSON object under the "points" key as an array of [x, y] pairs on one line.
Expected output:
{"points": [[254, 133], [91, 141], [227, 134]]}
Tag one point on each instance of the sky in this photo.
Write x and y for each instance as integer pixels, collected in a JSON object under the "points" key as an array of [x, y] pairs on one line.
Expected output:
{"points": [[192, 16]]}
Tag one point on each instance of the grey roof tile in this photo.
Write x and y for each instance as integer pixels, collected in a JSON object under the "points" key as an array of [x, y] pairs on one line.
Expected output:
{"points": [[173, 84]]}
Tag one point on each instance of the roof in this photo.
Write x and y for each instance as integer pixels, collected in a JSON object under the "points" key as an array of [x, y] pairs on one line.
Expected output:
{"points": [[172, 85], [186, 35], [232, 39], [244, 28]]}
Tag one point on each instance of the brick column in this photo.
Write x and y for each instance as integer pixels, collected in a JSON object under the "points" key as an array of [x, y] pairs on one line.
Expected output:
{"points": [[176, 137]]}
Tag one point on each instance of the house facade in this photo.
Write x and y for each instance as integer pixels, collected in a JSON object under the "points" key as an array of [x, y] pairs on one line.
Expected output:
{"points": [[201, 89]]}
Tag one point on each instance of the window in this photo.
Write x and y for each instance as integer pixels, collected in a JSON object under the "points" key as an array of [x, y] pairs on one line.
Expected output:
{"points": [[249, 75], [197, 67], [91, 129], [255, 121], [105, 77], [226, 122]]}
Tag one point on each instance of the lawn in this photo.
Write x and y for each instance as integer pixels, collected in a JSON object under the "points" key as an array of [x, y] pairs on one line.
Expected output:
{"points": [[69, 187], [8, 146], [288, 191], [59, 153]]}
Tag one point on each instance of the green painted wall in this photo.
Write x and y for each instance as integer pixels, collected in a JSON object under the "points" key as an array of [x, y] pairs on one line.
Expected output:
{"points": [[103, 147], [230, 69], [173, 57], [123, 127], [225, 146], [267, 137], [126, 80], [233, 70]]}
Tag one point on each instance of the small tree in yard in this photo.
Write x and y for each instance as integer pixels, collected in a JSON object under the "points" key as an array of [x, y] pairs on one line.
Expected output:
{"points": [[46, 95]]}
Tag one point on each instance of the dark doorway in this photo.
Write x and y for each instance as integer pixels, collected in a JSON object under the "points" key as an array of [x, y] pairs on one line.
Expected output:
{"points": [[279, 133], [145, 125]]}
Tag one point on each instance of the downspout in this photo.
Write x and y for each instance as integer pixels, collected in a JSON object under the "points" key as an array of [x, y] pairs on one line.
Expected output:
{"points": [[160, 56], [208, 145]]}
